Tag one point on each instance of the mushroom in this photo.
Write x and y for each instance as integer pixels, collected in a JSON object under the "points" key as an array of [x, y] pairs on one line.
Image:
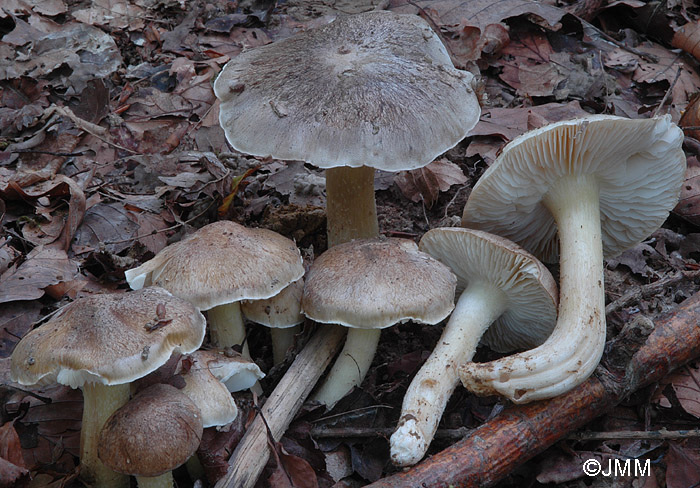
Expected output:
{"points": [[151, 435], [503, 288], [373, 90], [581, 189], [204, 383], [368, 285], [282, 314], [101, 343], [218, 266]]}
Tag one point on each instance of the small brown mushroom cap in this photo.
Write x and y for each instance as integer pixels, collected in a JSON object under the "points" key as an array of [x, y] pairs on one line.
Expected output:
{"points": [[479, 257], [155, 432], [221, 263], [376, 283], [375, 89], [639, 165], [111, 339], [281, 311]]}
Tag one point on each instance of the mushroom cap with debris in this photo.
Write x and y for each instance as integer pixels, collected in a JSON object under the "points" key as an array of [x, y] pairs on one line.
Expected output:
{"points": [[111, 339], [375, 89]]}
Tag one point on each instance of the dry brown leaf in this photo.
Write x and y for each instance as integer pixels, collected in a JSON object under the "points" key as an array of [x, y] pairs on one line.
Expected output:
{"points": [[686, 387], [688, 205], [16, 320], [44, 266], [427, 182], [682, 466], [116, 14], [105, 225], [687, 38]]}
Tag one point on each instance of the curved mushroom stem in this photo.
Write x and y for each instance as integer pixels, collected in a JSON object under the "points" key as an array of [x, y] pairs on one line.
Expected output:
{"points": [[226, 326], [165, 480], [350, 208], [351, 366], [426, 398], [99, 402], [282, 340], [576, 345]]}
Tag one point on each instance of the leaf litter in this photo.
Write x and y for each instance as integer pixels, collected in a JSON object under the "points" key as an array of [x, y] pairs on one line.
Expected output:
{"points": [[110, 149]]}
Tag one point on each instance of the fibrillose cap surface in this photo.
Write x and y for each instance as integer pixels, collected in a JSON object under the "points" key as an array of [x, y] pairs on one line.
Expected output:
{"points": [[639, 165], [281, 311], [478, 258], [376, 89], [221, 263], [111, 339], [376, 283], [155, 432]]}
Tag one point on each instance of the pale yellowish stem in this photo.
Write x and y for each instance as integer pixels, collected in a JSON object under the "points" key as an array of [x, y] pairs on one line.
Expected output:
{"points": [[351, 211]]}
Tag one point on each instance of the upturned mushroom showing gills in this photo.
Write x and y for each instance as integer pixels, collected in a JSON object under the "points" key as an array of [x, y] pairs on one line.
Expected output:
{"points": [[368, 285], [373, 90], [100, 344], [580, 190], [506, 292], [218, 266]]}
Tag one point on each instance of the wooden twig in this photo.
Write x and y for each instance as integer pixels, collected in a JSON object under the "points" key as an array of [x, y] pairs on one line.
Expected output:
{"points": [[662, 434], [497, 447], [252, 453]]}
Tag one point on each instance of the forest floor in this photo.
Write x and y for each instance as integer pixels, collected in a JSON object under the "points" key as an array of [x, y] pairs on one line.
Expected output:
{"points": [[110, 149]]}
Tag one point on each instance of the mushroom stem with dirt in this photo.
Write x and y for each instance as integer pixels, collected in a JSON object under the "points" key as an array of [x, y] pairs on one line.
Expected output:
{"points": [[368, 285], [102, 343], [504, 288], [602, 184]]}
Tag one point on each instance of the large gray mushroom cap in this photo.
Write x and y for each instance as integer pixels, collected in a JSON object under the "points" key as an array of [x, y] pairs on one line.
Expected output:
{"points": [[376, 283], [477, 257], [375, 89], [639, 166]]}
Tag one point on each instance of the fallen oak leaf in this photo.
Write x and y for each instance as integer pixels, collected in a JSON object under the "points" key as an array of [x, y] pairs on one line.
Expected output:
{"points": [[427, 182]]}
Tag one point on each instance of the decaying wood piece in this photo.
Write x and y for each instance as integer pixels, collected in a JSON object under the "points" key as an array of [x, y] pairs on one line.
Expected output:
{"points": [[252, 453], [497, 447]]}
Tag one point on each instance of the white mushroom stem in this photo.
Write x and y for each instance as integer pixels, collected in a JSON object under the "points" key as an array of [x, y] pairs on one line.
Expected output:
{"points": [[426, 398], [351, 366], [165, 480], [351, 211], [226, 326], [576, 345], [282, 340], [99, 402]]}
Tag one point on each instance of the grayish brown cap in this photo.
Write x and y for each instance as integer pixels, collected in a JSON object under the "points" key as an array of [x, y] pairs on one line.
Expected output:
{"points": [[478, 257], [376, 283], [112, 339], [208, 392], [375, 89], [155, 432], [639, 165], [221, 263], [281, 311]]}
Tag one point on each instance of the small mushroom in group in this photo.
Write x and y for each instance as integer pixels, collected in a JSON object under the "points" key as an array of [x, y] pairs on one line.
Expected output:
{"points": [[218, 266], [581, 190], [505, 294], [151, 435], [282, 314], [368, 285], [372, 90], [100, 344]]}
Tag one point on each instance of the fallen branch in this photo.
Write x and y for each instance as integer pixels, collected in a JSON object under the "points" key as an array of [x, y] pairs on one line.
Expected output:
{"points": [[497, 447], [252, 453]]}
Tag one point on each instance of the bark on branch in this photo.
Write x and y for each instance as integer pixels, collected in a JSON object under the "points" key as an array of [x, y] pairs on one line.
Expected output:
{"points": [[497, 447]]}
